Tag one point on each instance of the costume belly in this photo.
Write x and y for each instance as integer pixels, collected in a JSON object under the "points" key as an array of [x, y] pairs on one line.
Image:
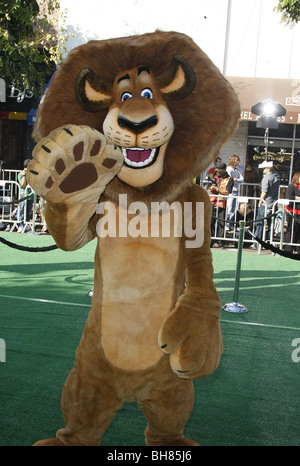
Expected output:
{"points": [[139, 288]]}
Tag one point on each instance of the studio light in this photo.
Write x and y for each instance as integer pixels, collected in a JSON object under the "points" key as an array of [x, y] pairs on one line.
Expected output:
{"points": [[269, 111]]}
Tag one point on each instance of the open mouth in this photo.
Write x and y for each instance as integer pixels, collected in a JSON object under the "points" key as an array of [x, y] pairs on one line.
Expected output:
{"points": [[135, 157]]}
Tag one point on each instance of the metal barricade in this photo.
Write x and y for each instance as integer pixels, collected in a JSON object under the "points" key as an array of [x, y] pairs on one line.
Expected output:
{"points": [[5, 196], [9, 175], [8, 208], [11, 207], [249, 189], [249, 214], [284, 224], [10, 216]]}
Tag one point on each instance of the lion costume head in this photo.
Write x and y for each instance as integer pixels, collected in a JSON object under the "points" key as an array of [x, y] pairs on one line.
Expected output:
{"points": [[158, 92]]}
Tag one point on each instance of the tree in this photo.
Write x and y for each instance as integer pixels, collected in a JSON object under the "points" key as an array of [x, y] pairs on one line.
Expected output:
{"points": [[30, 44], [290, 10]]}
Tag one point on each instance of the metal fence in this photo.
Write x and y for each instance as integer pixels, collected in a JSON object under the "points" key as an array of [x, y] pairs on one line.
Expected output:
{"points": [[254, 189], [278, 226], [13, 210], [284, 224], [225, 232]]}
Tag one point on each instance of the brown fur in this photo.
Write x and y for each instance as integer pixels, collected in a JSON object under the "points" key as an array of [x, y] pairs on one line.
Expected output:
{"points": [[203, 121], [147, 334]]}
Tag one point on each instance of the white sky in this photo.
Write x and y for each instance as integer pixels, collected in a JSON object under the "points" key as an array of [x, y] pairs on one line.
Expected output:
{"points": [[259, 45]]}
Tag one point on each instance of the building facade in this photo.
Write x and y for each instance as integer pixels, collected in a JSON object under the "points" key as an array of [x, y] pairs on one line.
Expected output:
{"points": [[281, 145]]}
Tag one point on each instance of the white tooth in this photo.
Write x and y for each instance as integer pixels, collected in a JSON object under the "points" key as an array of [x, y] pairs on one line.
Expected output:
{"points": [[138, 164]]}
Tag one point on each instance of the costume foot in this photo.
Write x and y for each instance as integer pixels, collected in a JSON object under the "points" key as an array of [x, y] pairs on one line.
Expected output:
{"points": [[49, 442], [181, 442]]}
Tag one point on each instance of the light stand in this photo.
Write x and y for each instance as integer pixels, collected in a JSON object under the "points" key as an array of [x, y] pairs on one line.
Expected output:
{"points": [[235, 306]]}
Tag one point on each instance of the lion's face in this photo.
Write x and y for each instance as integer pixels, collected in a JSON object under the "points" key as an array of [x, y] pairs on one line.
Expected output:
{"points": [[138, 119], [158, 97], [140, 123]]}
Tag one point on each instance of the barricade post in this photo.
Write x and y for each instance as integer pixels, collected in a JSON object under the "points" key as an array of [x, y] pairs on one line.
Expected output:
{"points": [[284, 202], [235, 306], [33, 232]]}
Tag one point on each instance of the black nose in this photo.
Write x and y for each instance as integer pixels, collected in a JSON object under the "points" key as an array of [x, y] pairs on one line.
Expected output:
{"points": [[137, 127]]}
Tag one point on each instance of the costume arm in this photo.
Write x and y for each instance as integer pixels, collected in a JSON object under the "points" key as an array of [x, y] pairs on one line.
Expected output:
{"points": [[191, 333], [200, 293], [71, 227], [71, 169]]}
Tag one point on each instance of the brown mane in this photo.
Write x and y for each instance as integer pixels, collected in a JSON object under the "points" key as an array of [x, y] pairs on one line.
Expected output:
{"points": [[203, 121]]}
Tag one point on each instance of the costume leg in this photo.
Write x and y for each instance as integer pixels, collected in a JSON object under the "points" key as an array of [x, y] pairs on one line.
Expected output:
{"points": [[88, 409], [167, 406]]}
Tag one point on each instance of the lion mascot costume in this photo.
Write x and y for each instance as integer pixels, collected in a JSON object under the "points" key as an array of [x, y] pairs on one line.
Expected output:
{"points": [[126, 123]]}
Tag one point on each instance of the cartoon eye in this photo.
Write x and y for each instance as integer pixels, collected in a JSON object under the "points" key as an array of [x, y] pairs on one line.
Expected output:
{"points": [[125, 96], [147, 93]]}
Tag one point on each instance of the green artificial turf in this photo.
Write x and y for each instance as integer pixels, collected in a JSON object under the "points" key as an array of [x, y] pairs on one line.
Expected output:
{"points": [[251, 399]]}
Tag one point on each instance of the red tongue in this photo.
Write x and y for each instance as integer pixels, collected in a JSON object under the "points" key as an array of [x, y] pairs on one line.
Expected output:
{"points": [[138, 155]]}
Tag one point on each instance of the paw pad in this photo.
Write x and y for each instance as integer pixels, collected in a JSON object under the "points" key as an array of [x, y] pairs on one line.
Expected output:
{"points": [[109, 163], [49, 182], [96, 148], [79, 178], [60, 166], [78, 151]]}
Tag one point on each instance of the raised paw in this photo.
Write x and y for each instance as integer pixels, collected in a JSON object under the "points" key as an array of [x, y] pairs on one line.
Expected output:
{"points": [[73, 162]]}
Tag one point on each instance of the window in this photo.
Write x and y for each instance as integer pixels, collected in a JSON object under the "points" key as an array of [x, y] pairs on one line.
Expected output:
{"points": [[283, 149]]}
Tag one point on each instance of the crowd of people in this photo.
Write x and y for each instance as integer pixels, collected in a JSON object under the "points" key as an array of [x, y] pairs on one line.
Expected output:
{"points": [[223, 185]]}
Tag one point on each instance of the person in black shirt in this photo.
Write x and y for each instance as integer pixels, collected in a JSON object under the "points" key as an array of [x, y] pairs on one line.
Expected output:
{"points": [[293, 214]]}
